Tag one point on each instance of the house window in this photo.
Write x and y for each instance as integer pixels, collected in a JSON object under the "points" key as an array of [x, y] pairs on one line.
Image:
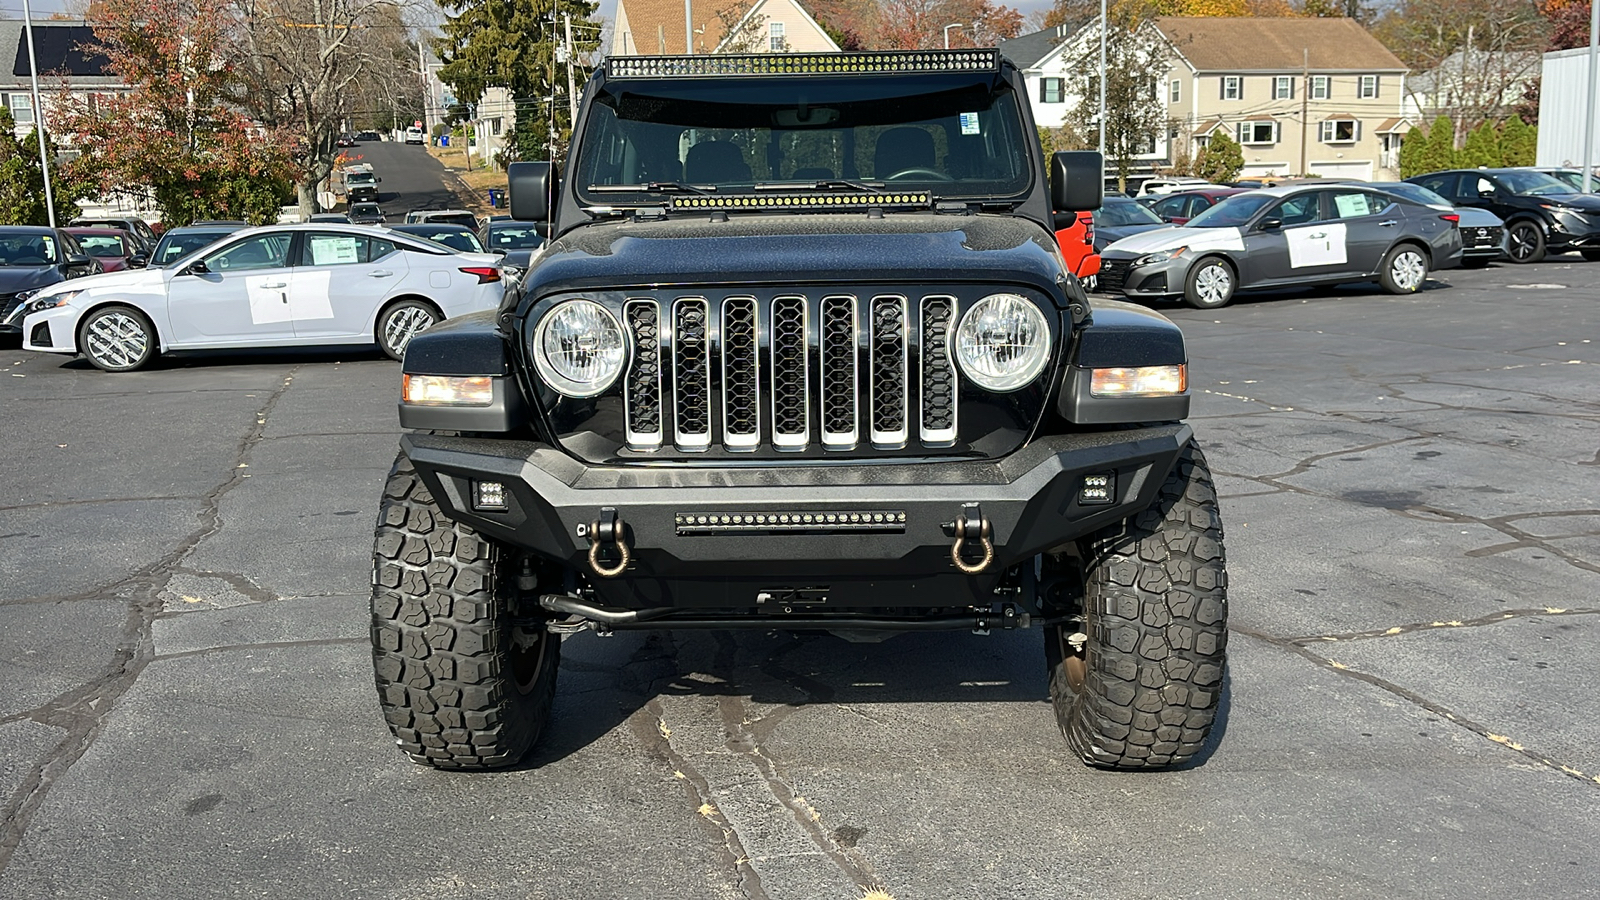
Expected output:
{"points": [[1340, 131], [495, 125], [1319, 87], [775, 41], [1283, 87], [1369, 87], [1232, 87], [1263, 131], [1175, 91], [1052, 90], [21, 109]]}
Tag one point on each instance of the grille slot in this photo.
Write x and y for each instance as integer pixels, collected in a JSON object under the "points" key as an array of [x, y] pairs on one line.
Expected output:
{"points": [[791, 402], [887, 351], [938, 372], [741, 400], [691, 374], [837, 337], [1113, 274], [642, 391]]}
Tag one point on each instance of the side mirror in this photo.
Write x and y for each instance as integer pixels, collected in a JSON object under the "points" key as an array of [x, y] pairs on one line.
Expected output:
{"points": [[78, 261], [138, 261], [500, 251], [1270, 225], [377, 179], [532, 186], [1077, 180], [198, 267]]}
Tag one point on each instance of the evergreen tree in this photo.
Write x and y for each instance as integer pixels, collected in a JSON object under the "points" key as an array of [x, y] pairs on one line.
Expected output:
{"points": [[1519, 143], [1413, 151], [1440, 151], [1220, 160], [1482, 147], [519, 45]]}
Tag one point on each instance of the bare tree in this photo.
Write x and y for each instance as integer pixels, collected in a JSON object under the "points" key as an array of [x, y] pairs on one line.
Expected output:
{"points": [[311, 64]]}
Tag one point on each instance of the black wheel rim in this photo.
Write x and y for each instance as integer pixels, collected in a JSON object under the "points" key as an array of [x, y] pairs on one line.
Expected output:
{"points": [[1523, 240]]}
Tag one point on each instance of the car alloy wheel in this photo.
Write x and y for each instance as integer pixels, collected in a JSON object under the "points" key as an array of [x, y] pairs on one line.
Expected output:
{"points": [[1525, 243], [1210, 284], [117, 340], [1407, 270], [404, 322]]}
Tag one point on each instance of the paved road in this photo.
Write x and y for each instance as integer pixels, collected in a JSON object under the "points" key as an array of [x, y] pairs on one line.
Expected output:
{"points": [[411, 178], [1411, 489]]}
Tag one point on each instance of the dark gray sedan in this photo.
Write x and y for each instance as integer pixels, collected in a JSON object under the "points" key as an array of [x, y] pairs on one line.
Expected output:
{"points": [[1286, 237]]}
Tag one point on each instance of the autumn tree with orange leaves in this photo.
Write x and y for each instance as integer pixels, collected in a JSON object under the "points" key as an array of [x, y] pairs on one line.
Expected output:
{"points": [[177, 133]]}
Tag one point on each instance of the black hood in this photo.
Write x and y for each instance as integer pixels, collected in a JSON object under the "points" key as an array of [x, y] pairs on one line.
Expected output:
{"points": [[1589, 203], [26, 278], [790, 249]]}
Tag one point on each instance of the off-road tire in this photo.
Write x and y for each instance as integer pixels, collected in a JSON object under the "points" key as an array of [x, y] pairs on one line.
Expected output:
{"points": [[1525, 242], [455, 688], [1144, 691]]}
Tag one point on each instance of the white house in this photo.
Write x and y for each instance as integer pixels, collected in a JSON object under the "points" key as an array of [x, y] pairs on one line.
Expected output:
{"points": [[658, 28]]}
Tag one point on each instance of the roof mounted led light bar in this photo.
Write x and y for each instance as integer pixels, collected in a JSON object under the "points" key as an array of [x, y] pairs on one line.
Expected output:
{"points": [[803, 201], [888, 62]]}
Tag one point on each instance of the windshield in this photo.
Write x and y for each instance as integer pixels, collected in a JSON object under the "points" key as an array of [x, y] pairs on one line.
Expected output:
{"points": [[1536, 183], [1415, 192], [101, 246], [1118, 211], [1232, 212], [27, 249], [1575, 179], [359, 178], [514, 237], [457, 239], [174, 247], [956, 135], [366, 209]]}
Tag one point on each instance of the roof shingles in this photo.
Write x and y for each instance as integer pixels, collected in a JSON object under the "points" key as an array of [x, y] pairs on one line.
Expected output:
{"points": [[1276, 44]]}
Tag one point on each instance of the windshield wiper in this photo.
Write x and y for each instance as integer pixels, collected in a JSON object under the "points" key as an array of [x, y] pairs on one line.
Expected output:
{"points": [[865, 187], [653, 187]]}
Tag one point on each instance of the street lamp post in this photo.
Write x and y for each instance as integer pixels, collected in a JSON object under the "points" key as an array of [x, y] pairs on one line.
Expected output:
{"points": [[947, 32], [38, 116], [1102, 121]]}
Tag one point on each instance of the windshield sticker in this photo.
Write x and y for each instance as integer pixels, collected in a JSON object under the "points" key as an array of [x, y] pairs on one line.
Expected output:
{"points": [[1321, 244], [969, 123], [333, 251], [49, 248]]}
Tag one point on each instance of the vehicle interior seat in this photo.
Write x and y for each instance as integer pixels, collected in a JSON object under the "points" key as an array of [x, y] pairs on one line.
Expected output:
{"points": [[900, 149], [715, 162]]}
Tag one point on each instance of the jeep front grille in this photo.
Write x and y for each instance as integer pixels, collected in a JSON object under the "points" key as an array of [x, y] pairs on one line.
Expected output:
{"points": [[791, 372]]}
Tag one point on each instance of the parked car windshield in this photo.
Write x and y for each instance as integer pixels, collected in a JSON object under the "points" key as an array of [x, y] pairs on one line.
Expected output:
{"points": [[1536, 183], [1232, 212], [455, 238], [27, 249], [956, 135], [514, 237], [1118, 211], [1415, 192], [176, 245], [101, 246]]}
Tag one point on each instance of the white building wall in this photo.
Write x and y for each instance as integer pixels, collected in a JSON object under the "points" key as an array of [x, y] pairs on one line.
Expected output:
{"points": [[1563, 98]]}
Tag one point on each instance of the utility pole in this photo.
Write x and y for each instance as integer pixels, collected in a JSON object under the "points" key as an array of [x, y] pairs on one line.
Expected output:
{"points": [[1305, 103], [38, 116], [572, 91], [688, 28], [1102, 124], [1589, 114]]}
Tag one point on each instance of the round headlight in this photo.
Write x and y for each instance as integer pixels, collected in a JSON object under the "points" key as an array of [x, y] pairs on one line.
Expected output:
{"points": [[579, 349], [1003, 342]]}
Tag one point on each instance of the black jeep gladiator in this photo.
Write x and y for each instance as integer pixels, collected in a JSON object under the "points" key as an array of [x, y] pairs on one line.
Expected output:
{"points": [[800, 354]]}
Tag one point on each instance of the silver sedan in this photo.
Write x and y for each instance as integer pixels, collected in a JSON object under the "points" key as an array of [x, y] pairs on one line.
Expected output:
{"points": [[286, 285]]}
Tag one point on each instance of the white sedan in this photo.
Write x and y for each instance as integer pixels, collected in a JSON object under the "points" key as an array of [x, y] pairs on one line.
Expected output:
{"points": [[278, 286]]}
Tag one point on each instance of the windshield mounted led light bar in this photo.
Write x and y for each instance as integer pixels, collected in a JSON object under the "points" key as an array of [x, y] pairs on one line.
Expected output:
{"points": [[803, 201], [888, 62]]}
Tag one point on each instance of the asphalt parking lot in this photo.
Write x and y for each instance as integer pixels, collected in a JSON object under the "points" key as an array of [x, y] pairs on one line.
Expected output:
{"points": [[1411, 491]]}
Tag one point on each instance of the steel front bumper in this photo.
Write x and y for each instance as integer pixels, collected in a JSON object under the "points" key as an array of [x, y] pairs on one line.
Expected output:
{"points": [[718, 537]]}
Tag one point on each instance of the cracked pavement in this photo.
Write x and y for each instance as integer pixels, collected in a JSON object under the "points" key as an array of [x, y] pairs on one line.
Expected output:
{"points": [[1412, 505]]}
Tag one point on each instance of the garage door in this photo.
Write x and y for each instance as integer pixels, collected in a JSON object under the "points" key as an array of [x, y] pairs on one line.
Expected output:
{"points": [[1355, 171]]}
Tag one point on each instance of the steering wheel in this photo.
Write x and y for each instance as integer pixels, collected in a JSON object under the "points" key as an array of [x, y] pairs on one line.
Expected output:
{"points": [[919, 173]]}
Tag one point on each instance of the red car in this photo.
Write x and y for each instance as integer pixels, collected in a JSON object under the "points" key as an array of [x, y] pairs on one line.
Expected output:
{"points": [[1181, 207], [113, 248], [1076, 239]]}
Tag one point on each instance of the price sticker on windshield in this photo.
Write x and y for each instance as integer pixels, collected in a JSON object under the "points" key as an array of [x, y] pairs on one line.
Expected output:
{"points": [[969, 123]]}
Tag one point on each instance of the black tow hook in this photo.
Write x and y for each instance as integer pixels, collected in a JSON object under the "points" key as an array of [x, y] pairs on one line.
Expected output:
{"points": [[608, 529], [972, 526]]}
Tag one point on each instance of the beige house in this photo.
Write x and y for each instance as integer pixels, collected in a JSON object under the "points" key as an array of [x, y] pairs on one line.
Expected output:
{"points": [[658, 28], [1313, 96]]}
